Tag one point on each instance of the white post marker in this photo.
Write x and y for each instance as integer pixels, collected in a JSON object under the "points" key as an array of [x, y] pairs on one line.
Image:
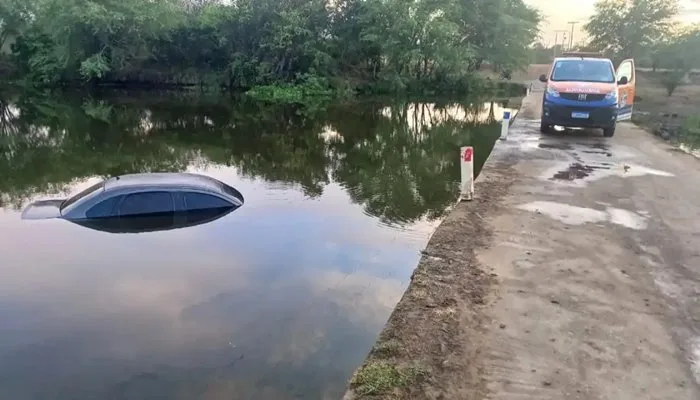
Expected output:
{"points": [[505, 125], [467, 161]]}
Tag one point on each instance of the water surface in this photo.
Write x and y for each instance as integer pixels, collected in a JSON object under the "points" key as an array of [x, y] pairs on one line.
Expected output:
{"points": [[281, 299]]}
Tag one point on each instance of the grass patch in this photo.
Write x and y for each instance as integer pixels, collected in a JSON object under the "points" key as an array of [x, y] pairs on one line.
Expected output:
{"points": [[387, 348], [308, 88], [690, 133], [379, 377]]}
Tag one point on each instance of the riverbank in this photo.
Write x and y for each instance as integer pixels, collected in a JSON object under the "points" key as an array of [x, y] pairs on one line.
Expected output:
{"points": [[570, 276], [433, 340], [674, 118], [273, 48], [314, 93]]}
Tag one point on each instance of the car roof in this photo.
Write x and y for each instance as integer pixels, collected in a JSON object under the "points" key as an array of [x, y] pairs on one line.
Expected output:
{"points": [[164, 179]]}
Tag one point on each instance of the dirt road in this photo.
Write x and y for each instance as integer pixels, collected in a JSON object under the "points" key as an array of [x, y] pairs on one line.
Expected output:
{"points": [[597, 252]]}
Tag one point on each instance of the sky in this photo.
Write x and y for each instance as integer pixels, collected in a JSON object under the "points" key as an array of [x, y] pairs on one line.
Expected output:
{"points": [[558, 13]]}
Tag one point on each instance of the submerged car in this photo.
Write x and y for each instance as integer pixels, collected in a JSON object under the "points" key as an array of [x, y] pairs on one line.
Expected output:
{"points": [[143, 202], [587, 92]]}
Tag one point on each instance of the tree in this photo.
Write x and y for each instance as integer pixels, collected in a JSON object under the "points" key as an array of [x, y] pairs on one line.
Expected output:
{"points": [[679, 55], [626, 28], [14, 18], [500, 31], [389, 45]]}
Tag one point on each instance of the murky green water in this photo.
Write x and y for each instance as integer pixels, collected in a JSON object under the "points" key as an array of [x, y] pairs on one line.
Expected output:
{"points": [[281, 299]]}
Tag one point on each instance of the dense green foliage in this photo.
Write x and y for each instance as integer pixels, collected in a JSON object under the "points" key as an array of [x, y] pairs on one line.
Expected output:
{"points": [[400, 160], [679, 55], [388, 45], [646, 30], [628, 28]]}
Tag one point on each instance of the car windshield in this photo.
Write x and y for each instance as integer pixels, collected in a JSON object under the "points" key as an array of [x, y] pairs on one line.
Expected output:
{"points": [[583, 71], [82, 194]]}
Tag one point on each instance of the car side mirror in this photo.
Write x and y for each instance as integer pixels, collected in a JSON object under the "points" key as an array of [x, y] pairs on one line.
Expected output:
{"points": [[543, 78], [623, 81]]}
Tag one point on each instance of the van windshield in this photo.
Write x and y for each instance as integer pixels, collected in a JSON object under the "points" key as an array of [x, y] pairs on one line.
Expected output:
{"points": [[583, 71], [82, 194]]}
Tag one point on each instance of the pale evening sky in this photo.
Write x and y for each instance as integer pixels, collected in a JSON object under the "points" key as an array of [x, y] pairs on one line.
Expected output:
{"points": [[558, 12]]}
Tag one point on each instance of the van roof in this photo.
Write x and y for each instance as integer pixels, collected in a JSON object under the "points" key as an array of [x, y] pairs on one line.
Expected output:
{"points": [[583, 54], [593, 59]]}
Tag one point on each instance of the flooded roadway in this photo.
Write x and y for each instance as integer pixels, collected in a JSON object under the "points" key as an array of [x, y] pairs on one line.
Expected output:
{"points": [[280, 299]]}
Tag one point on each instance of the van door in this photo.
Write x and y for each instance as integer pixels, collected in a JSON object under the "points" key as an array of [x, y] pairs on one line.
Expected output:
{"points": [[625, 99]]}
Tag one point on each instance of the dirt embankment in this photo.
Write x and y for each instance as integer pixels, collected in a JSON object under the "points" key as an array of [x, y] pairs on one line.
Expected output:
{"points": [[652, 96], [433, 344], [670, 117], [433, 341]]}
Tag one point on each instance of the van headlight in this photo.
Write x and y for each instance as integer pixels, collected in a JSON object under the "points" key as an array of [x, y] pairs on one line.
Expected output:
{"points": [[611, 96], [553, 93]]}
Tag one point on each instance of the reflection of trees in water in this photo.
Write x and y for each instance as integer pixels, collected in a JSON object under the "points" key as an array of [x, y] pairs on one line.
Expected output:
{"points": [[8, 115], [409, 168], [273, 143], [400, 161], [57, 142]]}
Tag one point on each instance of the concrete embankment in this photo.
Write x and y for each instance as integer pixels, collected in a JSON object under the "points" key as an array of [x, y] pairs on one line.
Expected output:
{"points": [[573, 274]]}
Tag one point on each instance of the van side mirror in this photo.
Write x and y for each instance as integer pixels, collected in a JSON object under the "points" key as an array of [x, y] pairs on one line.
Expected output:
{"points": [[623, 81], [543, 78]]}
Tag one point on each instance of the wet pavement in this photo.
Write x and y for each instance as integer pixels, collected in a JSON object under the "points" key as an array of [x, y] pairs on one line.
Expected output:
{"points": [[280, 299], [595, 248]]}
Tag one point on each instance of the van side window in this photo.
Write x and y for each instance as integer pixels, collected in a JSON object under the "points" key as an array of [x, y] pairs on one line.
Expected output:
{"points": [[199, 201], [146, 203], [625, 70], [104, 209]]}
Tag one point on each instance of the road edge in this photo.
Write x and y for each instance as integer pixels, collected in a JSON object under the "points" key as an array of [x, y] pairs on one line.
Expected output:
{"points": [[433, 341]]}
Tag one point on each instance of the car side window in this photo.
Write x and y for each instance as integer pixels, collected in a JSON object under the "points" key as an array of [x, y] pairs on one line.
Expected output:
{"points": [[104, 209], [625, 70], [200, 201], [146, 203]]}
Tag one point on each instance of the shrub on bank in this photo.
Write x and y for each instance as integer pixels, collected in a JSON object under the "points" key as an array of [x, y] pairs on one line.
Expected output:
{"points": [[312, 88], [308, 87], [690, 133]]}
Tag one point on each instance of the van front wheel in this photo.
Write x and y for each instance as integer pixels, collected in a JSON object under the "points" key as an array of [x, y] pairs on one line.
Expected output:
{"points": [[609, 132], [545, 127]]}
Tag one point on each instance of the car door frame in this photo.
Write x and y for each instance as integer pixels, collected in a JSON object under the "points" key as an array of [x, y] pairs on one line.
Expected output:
{"points": [[626, 93]]}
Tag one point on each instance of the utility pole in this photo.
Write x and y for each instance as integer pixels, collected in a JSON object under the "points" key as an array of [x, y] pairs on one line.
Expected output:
{"points": [[571, 39], [556, 40]]}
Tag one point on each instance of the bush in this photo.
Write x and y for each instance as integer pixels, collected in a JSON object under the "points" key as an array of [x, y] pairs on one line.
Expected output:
{"points": [[308, 87], [690, 134], [672, 80]]}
